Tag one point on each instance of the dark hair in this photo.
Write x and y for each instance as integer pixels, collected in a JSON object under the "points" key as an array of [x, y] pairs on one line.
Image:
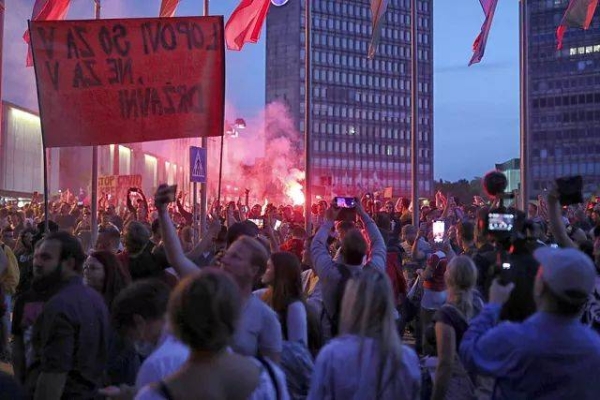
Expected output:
{"points": [[466, 231], [345, 226], [147, 298], [239, 229], [137, 236], [204, 310], [70, 247], [354, 247], [115, 279]]}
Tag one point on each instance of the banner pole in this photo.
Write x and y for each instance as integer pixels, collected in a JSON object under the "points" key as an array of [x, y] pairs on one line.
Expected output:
{"points": [[307, 116], [203, 186], [220, 170], [523, 79], [94, 205], [414, 113]]}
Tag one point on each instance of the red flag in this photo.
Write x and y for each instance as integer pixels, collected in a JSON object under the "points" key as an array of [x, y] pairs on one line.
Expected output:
{"points": [[45, 10], [245, 23], [579, 14], [378, 8], [168, 7], [489, 8]]}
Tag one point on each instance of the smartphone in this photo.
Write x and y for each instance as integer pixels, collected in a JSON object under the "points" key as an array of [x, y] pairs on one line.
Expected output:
{"points": [[439, 228], [259, 222], [171, 191], [344, 202], [277, 224], [570, 190], [498, 222]]}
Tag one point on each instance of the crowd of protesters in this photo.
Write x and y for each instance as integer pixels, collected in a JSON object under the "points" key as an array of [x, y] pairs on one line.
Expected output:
{"points": [[368, 305]]}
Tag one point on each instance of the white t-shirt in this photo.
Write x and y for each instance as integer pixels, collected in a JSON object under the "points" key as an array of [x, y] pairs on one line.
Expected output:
{"points": [[165, 360], [258, 330]]}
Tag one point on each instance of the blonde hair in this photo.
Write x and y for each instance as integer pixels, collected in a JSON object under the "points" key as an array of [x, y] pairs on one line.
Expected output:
{"points": [[461, 279], [368, 312]]}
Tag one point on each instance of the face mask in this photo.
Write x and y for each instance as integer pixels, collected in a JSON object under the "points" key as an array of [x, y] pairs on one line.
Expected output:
{"points": [[143, 348]]}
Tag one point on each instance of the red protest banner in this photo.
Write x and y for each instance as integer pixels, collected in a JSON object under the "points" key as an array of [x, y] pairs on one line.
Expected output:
{"points": [[129, 80]]}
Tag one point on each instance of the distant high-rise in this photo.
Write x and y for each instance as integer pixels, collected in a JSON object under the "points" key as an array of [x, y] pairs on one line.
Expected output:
{"points": [[564, 99], [361, 108]]}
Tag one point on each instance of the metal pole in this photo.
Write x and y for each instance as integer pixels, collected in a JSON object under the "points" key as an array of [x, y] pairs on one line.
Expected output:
{"points": [[523, 74], [414, 113], [307, 113], [203, 186], [195, 211], [94, 222], [220, 171]]}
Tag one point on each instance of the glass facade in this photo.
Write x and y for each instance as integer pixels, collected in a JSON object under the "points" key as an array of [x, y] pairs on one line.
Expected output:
{"points": [[360, 108], [564, 99]]}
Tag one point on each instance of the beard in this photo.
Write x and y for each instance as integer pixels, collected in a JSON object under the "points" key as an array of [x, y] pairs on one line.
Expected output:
{"points": [[47, 282]]}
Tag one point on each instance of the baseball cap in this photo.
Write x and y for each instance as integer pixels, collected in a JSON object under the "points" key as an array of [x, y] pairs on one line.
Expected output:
{"points": [[569, 273]]}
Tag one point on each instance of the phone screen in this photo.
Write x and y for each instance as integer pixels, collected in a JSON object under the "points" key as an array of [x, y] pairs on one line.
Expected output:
{"points": [[277, 224], [500, 222], [259, 222], [439, 228], [345, 202]]}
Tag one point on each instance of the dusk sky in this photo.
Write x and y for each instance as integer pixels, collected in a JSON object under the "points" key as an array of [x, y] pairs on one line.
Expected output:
{"points": [[476, 108]]}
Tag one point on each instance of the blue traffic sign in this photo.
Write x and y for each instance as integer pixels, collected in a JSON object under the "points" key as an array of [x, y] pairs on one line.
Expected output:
{"points": [[197, 164]]}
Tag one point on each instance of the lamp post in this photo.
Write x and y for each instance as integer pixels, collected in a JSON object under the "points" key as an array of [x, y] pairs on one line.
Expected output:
{"points": [[231, 130]]}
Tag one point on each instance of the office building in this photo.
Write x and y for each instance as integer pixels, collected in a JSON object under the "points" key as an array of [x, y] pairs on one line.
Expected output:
{"points": [[564, 99], [360, 133]]}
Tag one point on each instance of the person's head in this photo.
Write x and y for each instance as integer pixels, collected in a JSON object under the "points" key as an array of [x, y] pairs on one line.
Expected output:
{"points": [[135, 237], [26, 237], [109, 239], [239, 229], [244, 260], [306, 257], [110, 210], [343, 227], [465, 234], [204, 310], [461, 277], [56, 257], [564, 281], [354, 248], [298, 232], [389, 207], [65, 208], [8, 234], [283, 275], [532, 210], [139, 313], [409, 234], [103, 272], [368, 311], [187, 234]]}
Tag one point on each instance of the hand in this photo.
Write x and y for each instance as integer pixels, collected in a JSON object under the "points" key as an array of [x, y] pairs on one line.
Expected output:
{"points": [[162, 197], [215, 226], [499, 294], [419, 272], [360, 209], [553, 196]]}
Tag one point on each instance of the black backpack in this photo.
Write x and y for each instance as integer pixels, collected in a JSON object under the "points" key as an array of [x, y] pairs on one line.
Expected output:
{"points": [[334, 319]]}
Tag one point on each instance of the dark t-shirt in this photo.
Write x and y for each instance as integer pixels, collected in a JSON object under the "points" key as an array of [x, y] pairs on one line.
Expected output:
{"points": [[71, 336]]}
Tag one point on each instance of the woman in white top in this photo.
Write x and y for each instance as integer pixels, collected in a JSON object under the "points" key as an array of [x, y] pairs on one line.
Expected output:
{"points": [[368, 360], [203, 312]]}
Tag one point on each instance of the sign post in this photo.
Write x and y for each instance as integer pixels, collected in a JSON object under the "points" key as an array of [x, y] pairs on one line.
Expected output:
{"points": [[197, 175]]}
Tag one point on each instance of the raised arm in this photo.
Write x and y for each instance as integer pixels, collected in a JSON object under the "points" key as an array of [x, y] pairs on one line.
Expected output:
{"points": [[175, 255], [557, 226], [378, 246]]}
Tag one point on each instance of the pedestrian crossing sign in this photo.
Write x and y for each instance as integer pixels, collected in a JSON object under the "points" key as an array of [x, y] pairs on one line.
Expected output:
{"points": [[197, 164]]}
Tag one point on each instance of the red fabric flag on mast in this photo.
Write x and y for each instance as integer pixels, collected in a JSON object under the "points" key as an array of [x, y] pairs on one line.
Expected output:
{"points": [[168, 8], [579, 14], [489, 8], [45, 10], [245, 23]]}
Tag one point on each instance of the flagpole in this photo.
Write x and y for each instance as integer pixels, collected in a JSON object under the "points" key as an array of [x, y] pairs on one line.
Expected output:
{"points": [[524, 97], [307, 114], [414, 113], [203, 186], [94, 205]]}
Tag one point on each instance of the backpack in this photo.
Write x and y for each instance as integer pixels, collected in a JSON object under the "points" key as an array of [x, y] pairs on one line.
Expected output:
{"points": [[334, 320], [10, 278]]}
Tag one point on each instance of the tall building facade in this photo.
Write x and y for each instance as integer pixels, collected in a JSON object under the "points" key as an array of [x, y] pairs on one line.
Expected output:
{"points": [[564, 99], [361, 108]]}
